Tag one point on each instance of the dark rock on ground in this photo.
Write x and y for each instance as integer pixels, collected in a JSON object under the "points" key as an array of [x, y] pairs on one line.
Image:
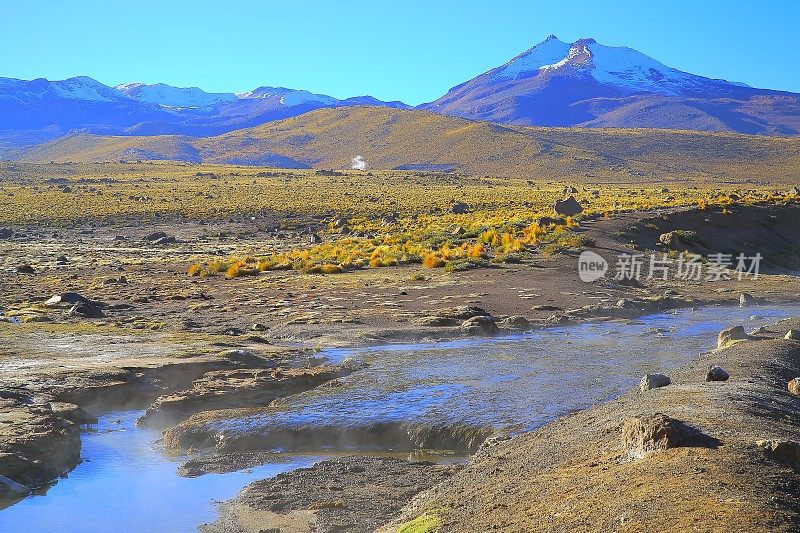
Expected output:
{"points": [[459, 208], [653, 381], [717, 373], [568, 207]]}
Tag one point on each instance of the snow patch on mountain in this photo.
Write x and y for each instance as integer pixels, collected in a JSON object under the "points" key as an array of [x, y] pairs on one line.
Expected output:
{"points": [[631, 69], [173, 97], [288, 97], [548, 52], [81, 88]]}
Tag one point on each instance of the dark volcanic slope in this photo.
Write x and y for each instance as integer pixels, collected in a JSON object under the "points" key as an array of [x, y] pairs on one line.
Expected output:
{"points": [[588, 84]]}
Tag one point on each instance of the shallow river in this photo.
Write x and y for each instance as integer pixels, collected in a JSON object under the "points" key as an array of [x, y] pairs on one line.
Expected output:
{"points": [[512, 383]]}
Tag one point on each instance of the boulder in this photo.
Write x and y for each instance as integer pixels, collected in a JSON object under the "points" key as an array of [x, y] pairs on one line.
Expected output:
{"points": [[794, 387], [792, 335], [654, 381], [786, 451], [717, 373], [747, 300], [479, 325], [644, 435], [730, 336], [459, 208], [314, 239], [568, 207]]}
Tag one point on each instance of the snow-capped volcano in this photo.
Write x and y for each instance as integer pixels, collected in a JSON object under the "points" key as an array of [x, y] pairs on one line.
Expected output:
{"points": [[590, 84], [622, 67]]}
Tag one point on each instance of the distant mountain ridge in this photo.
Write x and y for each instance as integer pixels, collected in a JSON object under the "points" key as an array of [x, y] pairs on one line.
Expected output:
{"points": [[588, 84], [39, 110], [554, 83]]}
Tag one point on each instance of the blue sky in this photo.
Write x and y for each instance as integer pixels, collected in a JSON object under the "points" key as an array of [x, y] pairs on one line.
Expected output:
{"points": [[408, 50]]}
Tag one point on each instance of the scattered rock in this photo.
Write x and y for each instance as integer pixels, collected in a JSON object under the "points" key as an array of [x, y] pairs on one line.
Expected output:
{"points": [[569, 207], [6, 233], [479, 325], [25, 268], [747, 300], [784, 450], [654, 381], [730, 336], [717, 373], [792, 335], [644, 435], [459, 208], [794, 387], [314, 239], [259, 327]]}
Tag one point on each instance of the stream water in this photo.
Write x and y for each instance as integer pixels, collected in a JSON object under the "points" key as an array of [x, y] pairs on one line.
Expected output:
{"points": [[512, 383]]}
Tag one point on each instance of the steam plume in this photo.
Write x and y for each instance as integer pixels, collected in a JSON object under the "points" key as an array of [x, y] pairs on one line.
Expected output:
{"points": [[358, 163]]}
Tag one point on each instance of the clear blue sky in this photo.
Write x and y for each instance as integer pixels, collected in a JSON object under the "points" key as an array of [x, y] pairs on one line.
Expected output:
{"points": [[408, 50]]}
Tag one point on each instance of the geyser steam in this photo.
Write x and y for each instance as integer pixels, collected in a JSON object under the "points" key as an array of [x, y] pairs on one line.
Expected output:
{"points": [[358, 163]]}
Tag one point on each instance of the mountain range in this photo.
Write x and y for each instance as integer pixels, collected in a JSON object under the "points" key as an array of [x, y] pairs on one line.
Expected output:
{"points": [[554, 83]]}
